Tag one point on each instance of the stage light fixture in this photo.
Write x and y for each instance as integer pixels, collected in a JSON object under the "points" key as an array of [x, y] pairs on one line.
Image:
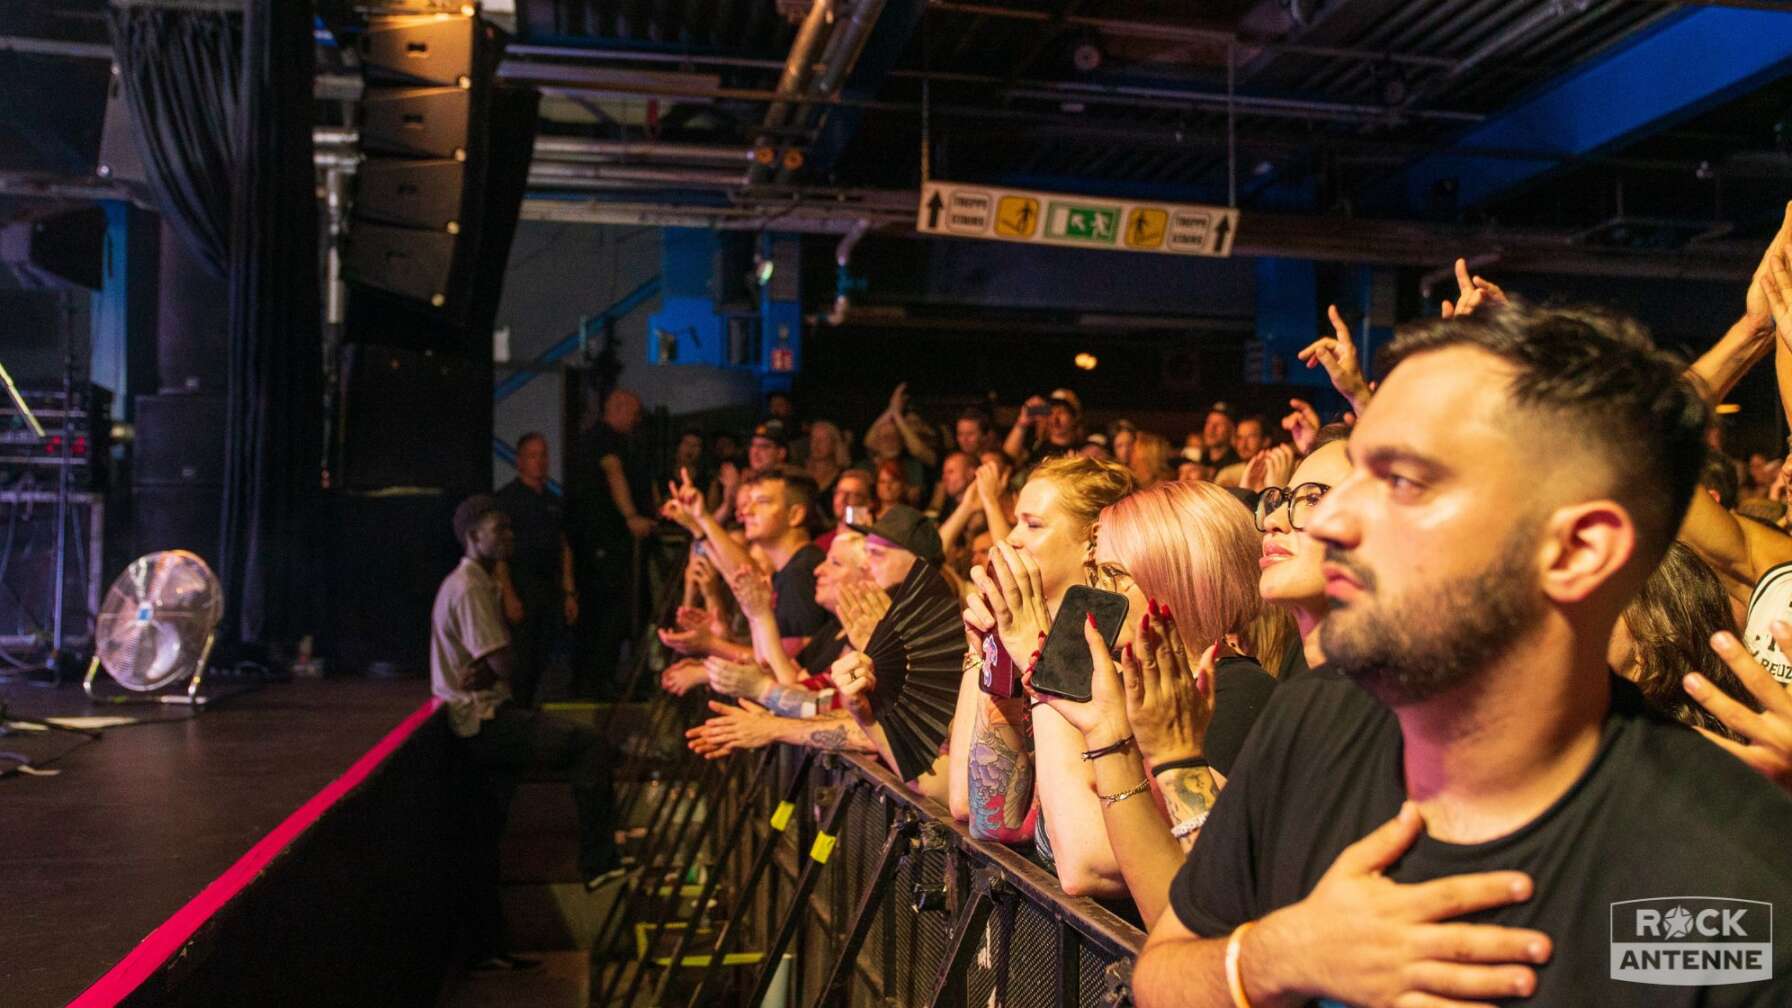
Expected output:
{"points": [[1086, 361]]}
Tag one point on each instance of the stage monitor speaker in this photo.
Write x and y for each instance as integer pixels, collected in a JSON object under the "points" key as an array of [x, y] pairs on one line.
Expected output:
{"points": [[415, 418], [423, 49], [180, 440], [427, 195], [430, 122], [192, 321], [178, 516], [383, 584], [56, 249]]}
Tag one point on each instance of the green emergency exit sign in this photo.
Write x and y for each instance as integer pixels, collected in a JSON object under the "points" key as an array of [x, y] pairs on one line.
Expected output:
{"points": [[1097, 225]]}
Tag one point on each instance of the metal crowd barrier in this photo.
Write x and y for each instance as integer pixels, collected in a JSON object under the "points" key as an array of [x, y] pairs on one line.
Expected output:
{"points": [[821, 880]]}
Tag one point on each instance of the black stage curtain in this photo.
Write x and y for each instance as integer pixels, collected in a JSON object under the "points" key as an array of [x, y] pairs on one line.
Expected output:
{"points": [[223, 109], [181, 70]]}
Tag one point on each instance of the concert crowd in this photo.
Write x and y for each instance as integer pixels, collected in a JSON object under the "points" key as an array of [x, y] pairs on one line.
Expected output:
{"points": [[1391, 708]]}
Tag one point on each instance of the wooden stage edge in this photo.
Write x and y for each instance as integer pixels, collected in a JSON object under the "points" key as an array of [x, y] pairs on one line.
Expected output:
{"points": [[141, 839]]}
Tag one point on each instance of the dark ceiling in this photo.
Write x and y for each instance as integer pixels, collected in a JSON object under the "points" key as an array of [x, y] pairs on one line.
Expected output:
{"points": [[1316, 107]]}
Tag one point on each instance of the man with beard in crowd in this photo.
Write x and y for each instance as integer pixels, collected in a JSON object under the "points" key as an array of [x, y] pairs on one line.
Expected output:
{"points": [[1465, 814]]}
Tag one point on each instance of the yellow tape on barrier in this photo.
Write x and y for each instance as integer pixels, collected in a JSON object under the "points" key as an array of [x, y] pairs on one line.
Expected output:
{"points": [[781, 815], [823, 848]]}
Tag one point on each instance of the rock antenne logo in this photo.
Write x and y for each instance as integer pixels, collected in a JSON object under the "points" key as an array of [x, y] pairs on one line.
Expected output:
{"points": [[1691, 941]]}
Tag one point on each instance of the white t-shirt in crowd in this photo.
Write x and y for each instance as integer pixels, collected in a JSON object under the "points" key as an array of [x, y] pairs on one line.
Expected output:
{"points": [[466, 624], [1772, 600]]}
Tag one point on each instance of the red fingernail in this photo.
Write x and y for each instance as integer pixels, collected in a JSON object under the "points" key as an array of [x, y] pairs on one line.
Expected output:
{"points": [[1126, 649], [1166, 613], [1091, 618]]}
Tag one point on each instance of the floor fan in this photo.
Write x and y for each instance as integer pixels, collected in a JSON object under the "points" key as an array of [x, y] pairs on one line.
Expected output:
{"points": [[156, 627], [917, 651]]}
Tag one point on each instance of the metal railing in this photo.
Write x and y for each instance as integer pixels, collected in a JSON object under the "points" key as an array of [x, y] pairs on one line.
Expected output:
{"points": [[789, 877]]}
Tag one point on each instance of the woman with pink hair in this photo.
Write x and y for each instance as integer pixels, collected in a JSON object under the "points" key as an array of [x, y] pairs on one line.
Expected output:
{"points": [[1167, 724]]}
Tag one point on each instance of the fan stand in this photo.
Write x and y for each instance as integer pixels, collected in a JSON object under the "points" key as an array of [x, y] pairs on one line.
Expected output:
{"points": [[192, 699]]}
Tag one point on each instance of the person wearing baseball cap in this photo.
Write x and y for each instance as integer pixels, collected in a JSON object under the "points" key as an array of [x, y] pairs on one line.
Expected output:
{"points": [[1216, 436], [1055, 423], [769, 446], [893, 543]]}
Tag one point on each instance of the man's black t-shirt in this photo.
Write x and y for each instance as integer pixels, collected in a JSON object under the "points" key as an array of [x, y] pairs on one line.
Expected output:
{"points": [[1660, 813], [596, 510], [537, 518], [793, 587]]}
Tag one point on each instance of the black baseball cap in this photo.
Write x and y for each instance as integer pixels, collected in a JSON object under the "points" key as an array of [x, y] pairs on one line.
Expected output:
{"points": [[909, 529], [770, 430]]}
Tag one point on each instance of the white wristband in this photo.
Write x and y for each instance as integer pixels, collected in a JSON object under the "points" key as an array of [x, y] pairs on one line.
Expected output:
{"points": [[1182, 829]]}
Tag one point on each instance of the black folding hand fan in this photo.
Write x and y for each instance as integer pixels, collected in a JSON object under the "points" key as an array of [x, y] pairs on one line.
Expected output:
{"points": [[917, 651]]}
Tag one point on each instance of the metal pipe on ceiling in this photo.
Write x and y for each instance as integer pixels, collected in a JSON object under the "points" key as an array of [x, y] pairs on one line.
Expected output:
{"points": [[1168, 32], [798, 66], [838, 58], [550, 170]]}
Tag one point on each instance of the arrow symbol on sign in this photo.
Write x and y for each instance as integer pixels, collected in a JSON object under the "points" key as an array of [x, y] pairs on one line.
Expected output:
{"points": [[1220, 230], [1026, 214], [934, 206]]}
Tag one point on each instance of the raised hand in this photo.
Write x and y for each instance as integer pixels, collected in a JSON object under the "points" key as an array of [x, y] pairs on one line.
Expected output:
{"points": [[1337, 353], [1302, 425], [1473, 292], [1361, 938], [704, 576], [1270, 467], [1756, 306], [1102, 718], [681, 677], [861, 606], [898, 399], [748, 726], [675, 511], [989, 481], [1169, 699], [1015, 596], [728, 474], [854, 676], [752, 588], [735, 679], [1769, 732], [1774, 282]]}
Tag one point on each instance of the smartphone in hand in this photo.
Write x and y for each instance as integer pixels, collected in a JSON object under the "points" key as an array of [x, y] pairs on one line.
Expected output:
{"points": [[1000, 678], [1065, 667]]}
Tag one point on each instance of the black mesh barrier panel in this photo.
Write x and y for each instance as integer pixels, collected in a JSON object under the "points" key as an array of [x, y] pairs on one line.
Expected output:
{"points": [[1038, 947]]}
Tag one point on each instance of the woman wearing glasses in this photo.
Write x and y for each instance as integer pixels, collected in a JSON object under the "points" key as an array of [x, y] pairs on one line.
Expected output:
{"points": [[1291, 559]]}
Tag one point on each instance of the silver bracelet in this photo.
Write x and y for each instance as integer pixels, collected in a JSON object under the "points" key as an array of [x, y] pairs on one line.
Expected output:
{"points": [[1114, 799], [1182, 829]]}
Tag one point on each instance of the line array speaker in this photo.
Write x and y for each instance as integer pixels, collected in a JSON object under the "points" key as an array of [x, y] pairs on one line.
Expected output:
{"points": [[447, 150]]}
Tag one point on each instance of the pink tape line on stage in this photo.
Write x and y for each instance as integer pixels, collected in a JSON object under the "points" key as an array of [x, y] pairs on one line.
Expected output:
{"points": [[162, 943]]}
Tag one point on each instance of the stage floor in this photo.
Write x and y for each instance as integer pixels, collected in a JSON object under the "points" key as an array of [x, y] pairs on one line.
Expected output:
{"points": [[137, 824]]}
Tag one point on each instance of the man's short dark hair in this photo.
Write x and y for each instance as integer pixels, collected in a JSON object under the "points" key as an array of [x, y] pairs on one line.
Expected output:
{"points": [[533, 435], [977, 414], [799, 488], [1598, 376], [1719, 474], [470, 512]]}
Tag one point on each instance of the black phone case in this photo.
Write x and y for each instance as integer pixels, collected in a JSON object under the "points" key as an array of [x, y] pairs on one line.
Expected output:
{"points": [[1064, 666]]}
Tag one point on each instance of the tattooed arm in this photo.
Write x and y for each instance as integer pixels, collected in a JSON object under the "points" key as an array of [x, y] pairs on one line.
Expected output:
{"points": [[750, 726], [1190, 794], [1001, 772]]}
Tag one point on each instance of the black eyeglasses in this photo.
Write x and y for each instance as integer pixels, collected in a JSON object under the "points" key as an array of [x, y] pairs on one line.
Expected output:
{"points": [[1299, 500]]}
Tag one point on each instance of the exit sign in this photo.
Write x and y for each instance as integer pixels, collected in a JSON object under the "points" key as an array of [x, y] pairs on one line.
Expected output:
{"points": [[1098, 225]]}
